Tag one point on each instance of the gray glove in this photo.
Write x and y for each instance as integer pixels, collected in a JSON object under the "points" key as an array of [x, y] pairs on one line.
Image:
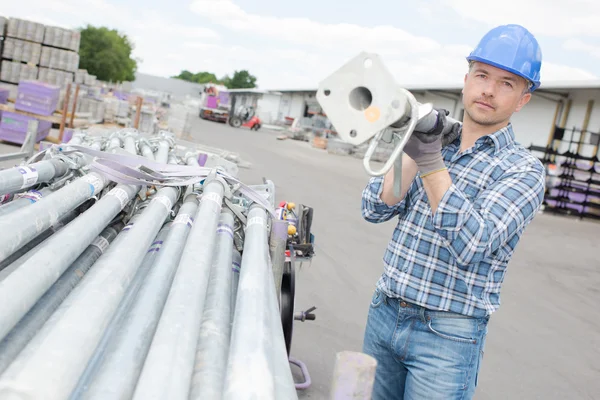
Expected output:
{"points": [[425, 144], [438, 122]]}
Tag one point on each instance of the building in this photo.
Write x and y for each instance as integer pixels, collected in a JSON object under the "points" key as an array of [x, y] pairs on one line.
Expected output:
{"points": [[568, 104]]}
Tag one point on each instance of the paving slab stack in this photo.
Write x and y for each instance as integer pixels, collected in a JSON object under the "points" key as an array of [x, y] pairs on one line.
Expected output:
{"points": [[37, 63]]}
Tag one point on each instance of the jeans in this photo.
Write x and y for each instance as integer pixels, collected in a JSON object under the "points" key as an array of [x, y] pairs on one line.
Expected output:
{"points": [[422, 354]]}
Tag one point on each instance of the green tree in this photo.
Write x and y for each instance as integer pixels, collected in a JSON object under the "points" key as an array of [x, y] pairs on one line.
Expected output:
{"points": [[106, 54], [240, 80], [200, 77]]}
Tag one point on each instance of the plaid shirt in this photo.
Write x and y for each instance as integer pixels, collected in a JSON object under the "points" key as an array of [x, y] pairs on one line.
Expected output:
{"points": [[456, 259]]}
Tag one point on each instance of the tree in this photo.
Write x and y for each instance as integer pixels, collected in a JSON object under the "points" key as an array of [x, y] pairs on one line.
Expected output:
{"points": [[240, 80], [106, 54], [200, 77]]}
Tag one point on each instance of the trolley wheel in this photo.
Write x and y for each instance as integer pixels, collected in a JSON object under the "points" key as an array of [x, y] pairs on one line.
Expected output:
{"points": [[287, 303]]}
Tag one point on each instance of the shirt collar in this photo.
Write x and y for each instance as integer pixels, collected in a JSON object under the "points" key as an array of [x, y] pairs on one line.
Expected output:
{"points": [[500, 139]]}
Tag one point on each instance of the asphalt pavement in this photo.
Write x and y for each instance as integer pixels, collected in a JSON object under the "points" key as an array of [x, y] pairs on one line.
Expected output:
{"points": [[543, 343]]}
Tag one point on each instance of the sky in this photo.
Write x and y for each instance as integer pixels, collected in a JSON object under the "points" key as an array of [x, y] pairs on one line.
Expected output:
{"points": [[295, 45]]}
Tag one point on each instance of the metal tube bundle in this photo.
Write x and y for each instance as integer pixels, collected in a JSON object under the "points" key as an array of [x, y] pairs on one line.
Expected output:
{"points": [[213, 345], [125, 355], [39, 314], [258, 365], [160, 309], [87, 312], [24, 224], [168, 368]]}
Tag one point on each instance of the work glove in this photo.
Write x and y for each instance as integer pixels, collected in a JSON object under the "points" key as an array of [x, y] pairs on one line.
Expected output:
{"points": [[425, 143]]}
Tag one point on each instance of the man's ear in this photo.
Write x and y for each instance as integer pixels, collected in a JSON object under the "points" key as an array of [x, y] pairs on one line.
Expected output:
{"points": [[524, 100]]}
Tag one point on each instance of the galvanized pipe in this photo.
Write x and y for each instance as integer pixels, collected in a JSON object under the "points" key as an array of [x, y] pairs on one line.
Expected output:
{"points": [[88, 311], [29, 326], [22, 177], [215, 331], [236, 263], [21, 226], [84, 388], [168, 368], [24, 287], [254, 364], [129, 144], [162, 151], [24, 199], [124, 357], [26, 251]]}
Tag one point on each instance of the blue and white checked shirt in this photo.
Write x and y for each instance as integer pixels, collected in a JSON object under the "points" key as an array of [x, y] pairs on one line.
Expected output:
{"points": [[456, 259]]}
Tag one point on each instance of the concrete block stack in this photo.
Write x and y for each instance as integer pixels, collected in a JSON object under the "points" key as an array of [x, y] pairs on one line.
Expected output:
{"points": [[59, 60], [21, 51]]}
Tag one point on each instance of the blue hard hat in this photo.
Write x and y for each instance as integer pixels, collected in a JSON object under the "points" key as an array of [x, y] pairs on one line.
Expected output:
{"points": [[512, 48]]}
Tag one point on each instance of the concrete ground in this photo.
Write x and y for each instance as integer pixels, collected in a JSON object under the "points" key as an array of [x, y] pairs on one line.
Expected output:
{"points": [[542, 344]]}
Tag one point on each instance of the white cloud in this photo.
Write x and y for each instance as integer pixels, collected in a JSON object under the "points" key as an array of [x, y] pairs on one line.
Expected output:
{"points": [[541, 17], [290, 52], [579, 45]]}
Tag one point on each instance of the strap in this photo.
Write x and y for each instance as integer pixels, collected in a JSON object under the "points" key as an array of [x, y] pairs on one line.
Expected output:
{"points": [[126, 168]]}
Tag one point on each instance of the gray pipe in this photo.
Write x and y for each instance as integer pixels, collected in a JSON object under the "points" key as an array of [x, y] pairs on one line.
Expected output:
{"points": [[236, 262], [83, 388], [24, 199], [25, 176], [29, 326], [20, 226], [124, 358], [89, 308], [24, 287], [215, 331], [28, 249], [162, 152], [168, 368], [253, 355], [129, 144]]}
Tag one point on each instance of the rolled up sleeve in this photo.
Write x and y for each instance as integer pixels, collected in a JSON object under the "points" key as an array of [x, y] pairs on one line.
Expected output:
{"points": [[474, 229], [373, 208]]}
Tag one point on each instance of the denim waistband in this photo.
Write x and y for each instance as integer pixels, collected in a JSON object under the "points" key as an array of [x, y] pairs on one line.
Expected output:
{"points": [[412, 308]]}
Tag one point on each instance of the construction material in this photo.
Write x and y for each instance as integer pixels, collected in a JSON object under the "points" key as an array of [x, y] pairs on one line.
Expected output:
{"points": [[37, 97], [160, 297]]}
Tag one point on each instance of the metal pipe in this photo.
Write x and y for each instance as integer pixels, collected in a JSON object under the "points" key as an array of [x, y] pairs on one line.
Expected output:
{"points": [[353, 376], [256, 345], [21, 200], [124, 357], [236, 262], [29, 326], [145, 149], [25, 176], [215, 331], [167, 371], [84, 387], [24, 287], [129, 144], [21, 226], [162, 151], [88, 311], [25, 252], [277, 244]]}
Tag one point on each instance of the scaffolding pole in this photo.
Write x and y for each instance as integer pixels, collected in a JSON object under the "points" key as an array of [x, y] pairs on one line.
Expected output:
{"points": [[168, 368]]}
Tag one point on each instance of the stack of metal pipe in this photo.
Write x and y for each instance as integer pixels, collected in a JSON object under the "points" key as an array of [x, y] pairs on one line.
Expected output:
{"points": [[131, 290]]}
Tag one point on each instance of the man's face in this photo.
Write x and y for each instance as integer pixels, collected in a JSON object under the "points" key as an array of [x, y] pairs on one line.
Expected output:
{"points": [[491, 95]]}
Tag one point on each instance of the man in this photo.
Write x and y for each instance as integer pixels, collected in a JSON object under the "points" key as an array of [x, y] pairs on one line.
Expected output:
{"points": [[462, 210]]}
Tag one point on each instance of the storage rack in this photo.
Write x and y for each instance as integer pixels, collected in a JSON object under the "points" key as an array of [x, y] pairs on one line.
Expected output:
{"points": [[573, 173]]}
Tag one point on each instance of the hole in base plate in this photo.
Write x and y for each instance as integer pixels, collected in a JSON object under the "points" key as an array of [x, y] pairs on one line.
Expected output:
{"points": [[360, 98]]}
